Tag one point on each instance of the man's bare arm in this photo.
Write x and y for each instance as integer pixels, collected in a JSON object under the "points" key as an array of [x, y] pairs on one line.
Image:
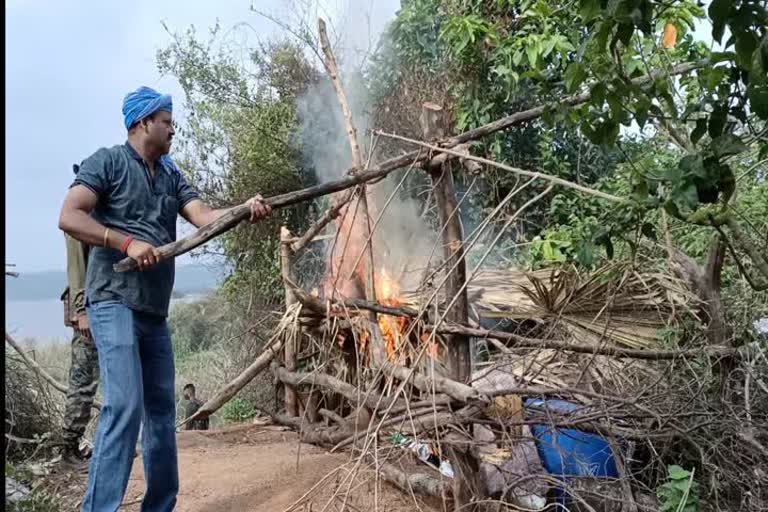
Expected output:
{"points": [[199, 214], [75, 220]]}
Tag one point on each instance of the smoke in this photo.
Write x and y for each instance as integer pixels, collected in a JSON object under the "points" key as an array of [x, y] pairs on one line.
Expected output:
{"points": [[402, 241]]}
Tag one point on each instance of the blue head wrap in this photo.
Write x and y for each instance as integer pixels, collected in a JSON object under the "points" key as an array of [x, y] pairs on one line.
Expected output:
{"points": [[144, 102]]}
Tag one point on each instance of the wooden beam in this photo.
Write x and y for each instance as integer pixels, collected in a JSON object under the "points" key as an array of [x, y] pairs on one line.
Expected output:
{"points": [[348, 391]]}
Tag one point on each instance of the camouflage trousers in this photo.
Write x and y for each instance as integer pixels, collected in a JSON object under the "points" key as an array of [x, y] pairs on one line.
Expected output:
{"points": [[83, 381]]}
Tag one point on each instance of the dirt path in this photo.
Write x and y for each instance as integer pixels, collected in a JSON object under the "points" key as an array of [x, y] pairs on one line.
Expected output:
{"points": [[254, 468]]}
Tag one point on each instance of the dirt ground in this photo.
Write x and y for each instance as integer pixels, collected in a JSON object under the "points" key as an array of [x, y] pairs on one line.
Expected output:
{"points": [[252, 468]]}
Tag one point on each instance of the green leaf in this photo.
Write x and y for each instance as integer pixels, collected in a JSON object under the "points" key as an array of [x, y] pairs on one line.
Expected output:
{"points": [[717, 120], [689, 196], [693, 165], [608, 248], [678, 473], [699, 131], [642, 104], [719, 11], [671, 208], [624, 33], [758, 99], [598, 94], [589, 9], [548, 252], [713, 76], [727, 182], [586, 254], [532, 54], [574, 75], [746, 44], [548, 46]]}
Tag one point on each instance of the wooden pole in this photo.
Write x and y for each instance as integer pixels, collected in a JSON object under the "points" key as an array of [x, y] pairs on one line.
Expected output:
{"points": [[433, 126], [289, 350], [363, 225]]}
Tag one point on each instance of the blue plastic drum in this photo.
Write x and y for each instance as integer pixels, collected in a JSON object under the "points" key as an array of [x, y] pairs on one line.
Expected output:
{"points": [[566, 452]]}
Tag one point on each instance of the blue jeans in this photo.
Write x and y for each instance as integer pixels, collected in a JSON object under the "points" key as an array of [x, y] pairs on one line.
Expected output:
{"points": [[137, 378]]}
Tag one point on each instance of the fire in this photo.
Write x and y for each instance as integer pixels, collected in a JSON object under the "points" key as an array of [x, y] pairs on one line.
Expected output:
{"points": [[392, 327]]}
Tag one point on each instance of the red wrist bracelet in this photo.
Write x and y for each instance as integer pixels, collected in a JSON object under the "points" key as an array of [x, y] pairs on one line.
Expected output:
{"points": [[126, 244]]}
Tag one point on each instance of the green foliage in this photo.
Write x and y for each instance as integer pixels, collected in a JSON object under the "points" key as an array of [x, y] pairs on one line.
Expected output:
{"points": [[196, 326], [680, 493], [491, 56], [238, 410], [237, 140]]}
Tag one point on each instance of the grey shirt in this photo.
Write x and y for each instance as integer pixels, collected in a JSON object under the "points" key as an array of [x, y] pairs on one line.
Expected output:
{"points": [[132, 202]]}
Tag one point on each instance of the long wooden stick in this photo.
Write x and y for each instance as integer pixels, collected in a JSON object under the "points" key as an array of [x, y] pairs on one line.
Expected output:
{"points": [[357, 159], [523, 172], [330, 215], [290, 349], [428, 384], [242, 212]]}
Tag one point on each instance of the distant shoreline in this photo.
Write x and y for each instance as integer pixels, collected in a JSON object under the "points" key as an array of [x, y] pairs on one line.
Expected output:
{"points": [[42, 320]]}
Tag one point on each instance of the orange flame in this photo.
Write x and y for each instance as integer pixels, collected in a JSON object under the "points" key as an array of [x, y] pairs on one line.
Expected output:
{"points": [[392, 327]]}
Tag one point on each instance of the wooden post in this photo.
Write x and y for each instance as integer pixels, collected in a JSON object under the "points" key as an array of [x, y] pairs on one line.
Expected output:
{"points": [[363, 227], [433, 125], [357, 159], [289, 351]]}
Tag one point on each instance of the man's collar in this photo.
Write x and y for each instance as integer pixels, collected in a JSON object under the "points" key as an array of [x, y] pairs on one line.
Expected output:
{"points": [[135, 154]]}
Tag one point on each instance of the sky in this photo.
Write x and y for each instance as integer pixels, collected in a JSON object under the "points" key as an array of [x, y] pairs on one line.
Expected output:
{"points": [[68, 66]]}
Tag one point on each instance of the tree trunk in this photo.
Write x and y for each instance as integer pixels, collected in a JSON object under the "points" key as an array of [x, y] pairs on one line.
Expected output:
{"points": [[459, 361], [705, 281]]}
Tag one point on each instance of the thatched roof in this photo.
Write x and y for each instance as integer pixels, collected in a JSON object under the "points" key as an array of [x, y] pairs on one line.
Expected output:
{"points": [[616, 303]]}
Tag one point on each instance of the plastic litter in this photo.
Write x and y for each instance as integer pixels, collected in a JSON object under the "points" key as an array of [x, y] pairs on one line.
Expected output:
{"points": [[424, 453]]}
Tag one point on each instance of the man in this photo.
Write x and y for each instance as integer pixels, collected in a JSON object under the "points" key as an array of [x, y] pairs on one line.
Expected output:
{"points": [[125, 201], [84, 365], [192, 406]]}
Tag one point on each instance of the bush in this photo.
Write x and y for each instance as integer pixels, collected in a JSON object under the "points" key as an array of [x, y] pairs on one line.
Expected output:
{"points": [[30, 410]]}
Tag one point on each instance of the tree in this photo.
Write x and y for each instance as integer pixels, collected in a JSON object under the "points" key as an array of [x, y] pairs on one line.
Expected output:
{"points": [[238, 142]]}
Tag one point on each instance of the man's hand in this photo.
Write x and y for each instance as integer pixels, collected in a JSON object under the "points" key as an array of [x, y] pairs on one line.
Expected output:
{"points": [[83, 327], [145, 255], [259, 209]]}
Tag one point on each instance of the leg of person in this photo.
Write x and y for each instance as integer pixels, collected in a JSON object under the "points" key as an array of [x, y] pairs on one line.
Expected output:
{"points": [[113, 328], [83, 381], [159, 428]]}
